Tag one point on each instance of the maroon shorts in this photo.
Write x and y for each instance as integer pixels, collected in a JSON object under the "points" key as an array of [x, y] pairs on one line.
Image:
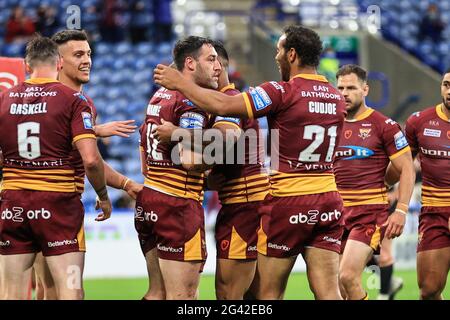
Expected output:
{"points": [[174, 225], [364, 224], [290, 224], [33, 221], [236, 231], [433, 228]]}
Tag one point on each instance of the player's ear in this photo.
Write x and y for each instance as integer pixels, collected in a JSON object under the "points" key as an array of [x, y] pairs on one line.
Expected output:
{"points": [[366, 90], [59, 63], [28, 68], [292, 55], [190, 63]]}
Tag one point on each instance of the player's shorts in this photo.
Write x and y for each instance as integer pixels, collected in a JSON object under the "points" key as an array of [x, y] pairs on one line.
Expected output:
{"points": [[291, 224], [174, 225], [236, 231], [33, 221], [364, 224], [433, 228]]}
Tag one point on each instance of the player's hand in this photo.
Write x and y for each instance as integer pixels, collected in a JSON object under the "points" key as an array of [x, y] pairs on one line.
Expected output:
{"points": [[115, 128], [105, 206], [215, 181], [395, 224], [163, 132], [167, 77], [133, 188]]}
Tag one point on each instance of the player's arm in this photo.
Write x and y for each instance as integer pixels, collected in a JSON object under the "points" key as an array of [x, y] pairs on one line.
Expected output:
{"points": [[211, 101], [95, 172], [119, 181], [115, 128], [403, 164]]}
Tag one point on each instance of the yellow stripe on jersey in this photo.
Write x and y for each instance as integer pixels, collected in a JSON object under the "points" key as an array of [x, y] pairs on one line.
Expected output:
{"points": [[376, 238], [40, 80], [287, 185], [309, 76], [248, 189], [227, 123], [187, 194], [435, 197], [398, 154], [38, 185], [84, 136], [18, 179], [230, 86], [363, 197], [248, 105]]}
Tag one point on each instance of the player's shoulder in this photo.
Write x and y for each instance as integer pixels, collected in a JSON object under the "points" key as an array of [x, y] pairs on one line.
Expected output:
{"points": [[382, 120], [421, 116]]}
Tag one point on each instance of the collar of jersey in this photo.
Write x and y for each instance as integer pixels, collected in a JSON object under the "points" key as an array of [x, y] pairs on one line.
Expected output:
{"points": [[40, 80], [228, 87], [363, 115], [309, 76], [441, 113]]}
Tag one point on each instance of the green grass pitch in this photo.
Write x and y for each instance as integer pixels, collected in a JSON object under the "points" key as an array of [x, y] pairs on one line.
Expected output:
{"points": [[297, 289]]}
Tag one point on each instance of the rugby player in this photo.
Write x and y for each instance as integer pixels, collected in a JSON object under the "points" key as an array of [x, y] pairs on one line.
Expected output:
{"points": [[302, 212]]}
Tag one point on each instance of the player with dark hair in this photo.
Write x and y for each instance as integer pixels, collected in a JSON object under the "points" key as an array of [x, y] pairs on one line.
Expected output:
{"points": [[40, 119], [169, 215], [370, 142], [301, 213]]}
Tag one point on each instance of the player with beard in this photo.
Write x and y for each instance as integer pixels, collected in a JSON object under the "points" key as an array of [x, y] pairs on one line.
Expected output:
{"points": [[302, 212], [370, 142], [428, 134], [169, 215]]}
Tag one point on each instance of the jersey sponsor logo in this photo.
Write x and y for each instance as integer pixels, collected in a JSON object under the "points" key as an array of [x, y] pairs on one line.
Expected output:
{"points": [[332, 240], [153, 110], [260, 98], [161, 93], [61, 243], [169, 249], [366, 124], [434, 123], [224, 245], [6, 243], [81, 96], [87, 120], [417, 114], [322, 107], [348, 134], [400, 140], [278, 246], [390, 121], [228, 119], [437, 153], [364, 133], [188, 103], [314, 216], [354, 152], [191, 120], [432, 133], [142, 215], [277, 86]]}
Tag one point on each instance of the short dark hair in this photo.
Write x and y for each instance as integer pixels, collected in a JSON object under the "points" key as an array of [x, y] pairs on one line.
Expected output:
{"points": [[188, 47], [65, 36], [41, 49], [306, 43], [221, 51], [352, 68]]}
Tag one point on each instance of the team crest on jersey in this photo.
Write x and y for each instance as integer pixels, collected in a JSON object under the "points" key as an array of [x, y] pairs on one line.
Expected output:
{"points": [[364, 133], [87, 120], [224, 245], [448, 134], [348, 134]]}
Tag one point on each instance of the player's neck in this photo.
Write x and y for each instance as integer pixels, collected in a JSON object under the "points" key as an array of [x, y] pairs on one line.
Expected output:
{"points": [[44, 72], [295, 70], [352, 115], [69, 82], [445, 111]]}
